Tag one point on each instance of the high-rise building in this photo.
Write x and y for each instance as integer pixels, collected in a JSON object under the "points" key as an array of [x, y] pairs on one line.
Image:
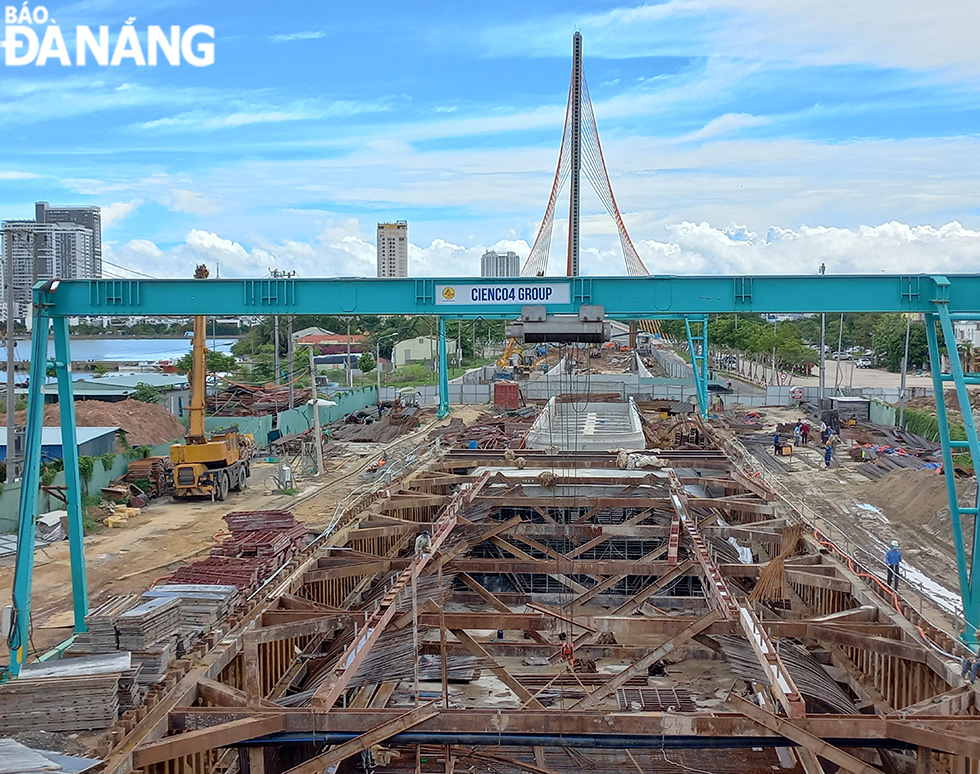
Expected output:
{"points": [[494, 264], [393, 249], [62, 243], [88, 216]]}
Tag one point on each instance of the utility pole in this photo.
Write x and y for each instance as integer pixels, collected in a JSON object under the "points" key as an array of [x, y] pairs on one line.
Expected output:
{"points": [[823, 346], [905, 368], [775, 381], [315, 401], [275, 345], [350, 366], [289, 355]]}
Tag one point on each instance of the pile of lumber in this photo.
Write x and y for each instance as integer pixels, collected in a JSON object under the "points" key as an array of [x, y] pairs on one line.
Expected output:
{"points": [[154, 659], [101, 636], [73, 694], [245, 521], [157, 471], [488, 432], [245, 574], [148, 623], [274, 534], [201, 605]]}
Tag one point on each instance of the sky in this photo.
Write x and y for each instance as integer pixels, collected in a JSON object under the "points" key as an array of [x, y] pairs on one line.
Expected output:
{"points": [[740, 136]]}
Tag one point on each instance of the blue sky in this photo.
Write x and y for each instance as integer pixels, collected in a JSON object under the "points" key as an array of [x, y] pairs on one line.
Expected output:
{"points": [[749, 136]]}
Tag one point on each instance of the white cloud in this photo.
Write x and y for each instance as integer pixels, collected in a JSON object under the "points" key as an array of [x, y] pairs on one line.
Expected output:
{"points": [[180, 200], [7, 174], [309, 35], [342, 249], [700, 248], [116, 211]]}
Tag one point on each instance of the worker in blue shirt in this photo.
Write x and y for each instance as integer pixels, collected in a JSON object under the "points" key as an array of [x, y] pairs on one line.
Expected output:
{"points": [[892, 560], [775, 444]]}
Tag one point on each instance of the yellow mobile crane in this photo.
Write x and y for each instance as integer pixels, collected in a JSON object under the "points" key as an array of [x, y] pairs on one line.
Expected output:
{"points": [[208, 466]]}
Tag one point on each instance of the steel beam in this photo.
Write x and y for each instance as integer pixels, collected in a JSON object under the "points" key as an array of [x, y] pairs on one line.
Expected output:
{"points": [[192, 742], [813, 743], [624, 298], [641, 665], [335, 755]]}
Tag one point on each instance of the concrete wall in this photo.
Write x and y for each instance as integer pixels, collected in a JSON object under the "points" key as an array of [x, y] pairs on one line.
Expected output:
{"points": [[675, 366]]}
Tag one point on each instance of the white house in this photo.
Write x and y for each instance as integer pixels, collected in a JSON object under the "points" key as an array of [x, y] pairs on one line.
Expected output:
{"points": [[422, 349]]}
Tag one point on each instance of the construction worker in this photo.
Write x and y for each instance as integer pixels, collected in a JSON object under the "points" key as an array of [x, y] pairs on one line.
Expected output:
{"points": [[423, 543], [567, 654], [828, 454], [971, 665], [892, 560], [776, 445]]}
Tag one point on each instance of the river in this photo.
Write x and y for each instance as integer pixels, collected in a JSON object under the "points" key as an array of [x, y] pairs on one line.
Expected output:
{"points": [[129, 350]]}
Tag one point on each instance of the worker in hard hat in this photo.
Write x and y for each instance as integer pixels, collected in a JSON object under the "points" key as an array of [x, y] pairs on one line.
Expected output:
{"points": [[567, 653], [423, 543], [892, 560]]}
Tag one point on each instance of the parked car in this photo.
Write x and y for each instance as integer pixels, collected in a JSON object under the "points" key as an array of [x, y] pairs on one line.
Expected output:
{"points": [[864, 362], [843, 356]]}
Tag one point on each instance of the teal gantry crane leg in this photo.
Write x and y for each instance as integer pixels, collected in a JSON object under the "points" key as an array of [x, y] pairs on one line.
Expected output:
{"points": [[968, 561], [19, 635], [69, 451], [698, 345], [443, 371]]}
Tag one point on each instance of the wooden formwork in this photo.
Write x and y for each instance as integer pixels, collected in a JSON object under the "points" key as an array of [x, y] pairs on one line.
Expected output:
{"points": [[880, 654]]}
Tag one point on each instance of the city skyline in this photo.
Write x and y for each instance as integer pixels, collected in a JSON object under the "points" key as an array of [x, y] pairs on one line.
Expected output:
{"points": [[740, 137]]}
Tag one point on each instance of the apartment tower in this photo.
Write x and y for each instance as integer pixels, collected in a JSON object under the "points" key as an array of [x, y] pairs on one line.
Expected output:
{"points": [[393, 249]]}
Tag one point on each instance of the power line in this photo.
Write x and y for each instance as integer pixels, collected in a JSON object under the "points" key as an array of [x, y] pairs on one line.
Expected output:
{"points": [[126, 268]]}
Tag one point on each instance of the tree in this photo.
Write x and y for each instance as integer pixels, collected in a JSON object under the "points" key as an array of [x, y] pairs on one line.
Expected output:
{"points": [[216, 362], [366, 362], [146, 393], [101, 370], [889, 336]]}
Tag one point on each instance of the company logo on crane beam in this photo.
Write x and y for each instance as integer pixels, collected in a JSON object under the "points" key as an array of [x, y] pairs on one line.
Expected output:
{"points": [[516, 293], [32, 37]]}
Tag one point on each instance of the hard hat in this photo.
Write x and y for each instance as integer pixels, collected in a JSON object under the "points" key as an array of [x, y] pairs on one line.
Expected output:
{"points": [[894, 544]]}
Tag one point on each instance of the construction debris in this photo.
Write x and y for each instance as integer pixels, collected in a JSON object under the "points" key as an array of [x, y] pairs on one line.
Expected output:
{"points": [[365, 426], [244, 400], [506, 431]]}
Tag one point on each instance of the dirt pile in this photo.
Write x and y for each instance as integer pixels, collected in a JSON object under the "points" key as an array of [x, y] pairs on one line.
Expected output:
{"points": [[952, 402], [143, 423], [914, 498]]}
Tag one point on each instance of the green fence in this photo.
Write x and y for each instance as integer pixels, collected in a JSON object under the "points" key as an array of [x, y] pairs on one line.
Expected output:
{"points": [[883, 414], [298, 420]]}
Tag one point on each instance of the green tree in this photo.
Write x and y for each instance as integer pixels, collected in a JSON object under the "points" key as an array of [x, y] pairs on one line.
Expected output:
{"points": [[366, 362], [100, 370], [146, 393], [889, 338], [217, 362]]}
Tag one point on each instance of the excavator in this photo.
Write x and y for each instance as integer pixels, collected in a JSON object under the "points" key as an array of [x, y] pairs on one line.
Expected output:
{"points": [[208, 466]]}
